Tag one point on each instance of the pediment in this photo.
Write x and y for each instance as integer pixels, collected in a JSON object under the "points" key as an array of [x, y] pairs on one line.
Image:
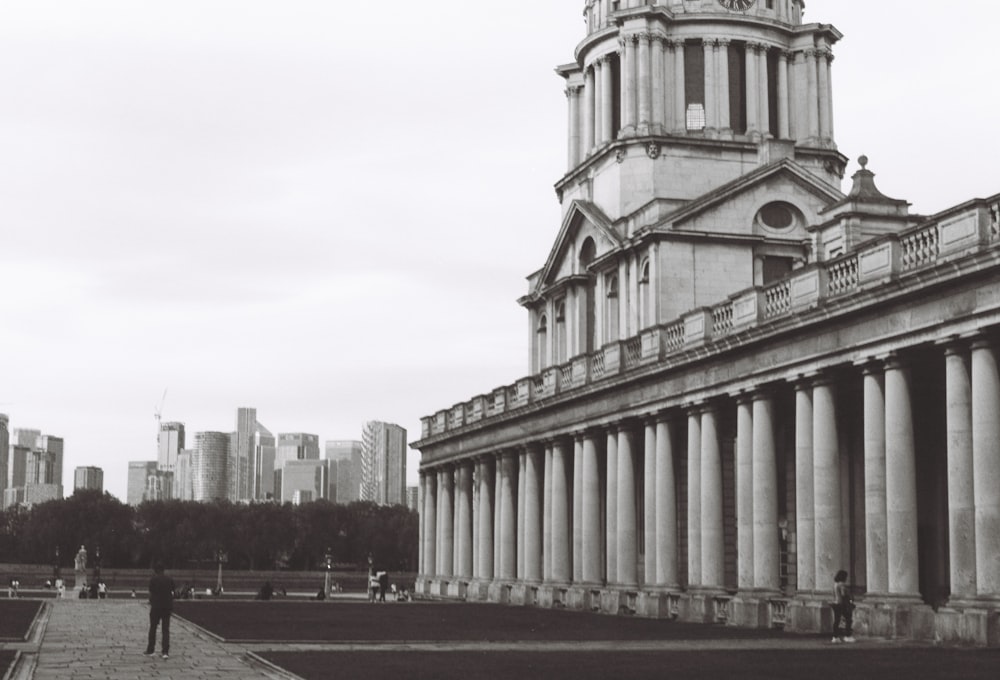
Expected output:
{"points": [[738, 208], [582, 221]]}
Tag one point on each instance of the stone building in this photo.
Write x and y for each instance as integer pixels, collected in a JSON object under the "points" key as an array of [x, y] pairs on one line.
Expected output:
{"points": [[742, 378]]}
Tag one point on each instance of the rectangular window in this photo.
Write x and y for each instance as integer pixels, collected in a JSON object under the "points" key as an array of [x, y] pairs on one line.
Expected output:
{"points": [[694, 73]]}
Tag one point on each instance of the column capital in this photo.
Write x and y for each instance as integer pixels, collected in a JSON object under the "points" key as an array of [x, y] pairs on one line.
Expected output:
{"points": [[816, 378], [982, 340], [573, 91], [894, 361], [870, 366], [645, 36], [723, 43]]}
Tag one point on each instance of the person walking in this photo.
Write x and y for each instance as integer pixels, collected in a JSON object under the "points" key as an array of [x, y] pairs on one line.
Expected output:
{"points": [[843, 609], [161, 605]]}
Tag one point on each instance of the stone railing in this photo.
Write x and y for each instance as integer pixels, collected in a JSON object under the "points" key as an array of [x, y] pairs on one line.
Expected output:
{"points": [[871, 264]]}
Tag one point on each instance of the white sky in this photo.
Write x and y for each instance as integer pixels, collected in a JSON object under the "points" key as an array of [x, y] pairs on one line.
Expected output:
{"points": [[327, 210]]}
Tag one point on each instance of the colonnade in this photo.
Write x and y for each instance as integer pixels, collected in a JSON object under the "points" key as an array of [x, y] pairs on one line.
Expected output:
{"points": [[607, 504], [652, 99]]}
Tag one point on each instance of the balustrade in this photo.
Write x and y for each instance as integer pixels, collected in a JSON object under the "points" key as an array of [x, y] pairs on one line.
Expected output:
{"points": [[777, 298], [843, 275], [633, 351], [920, 248], [722, 319]]}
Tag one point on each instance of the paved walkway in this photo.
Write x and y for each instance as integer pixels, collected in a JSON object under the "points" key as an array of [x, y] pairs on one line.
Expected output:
{"points": [[87, 639]]}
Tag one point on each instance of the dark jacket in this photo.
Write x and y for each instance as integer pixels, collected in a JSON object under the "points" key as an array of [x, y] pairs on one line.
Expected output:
{"points": [[161, 592]]}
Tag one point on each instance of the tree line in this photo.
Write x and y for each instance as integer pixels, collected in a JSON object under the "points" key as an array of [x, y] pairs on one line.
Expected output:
{"points": [[185, 534]]}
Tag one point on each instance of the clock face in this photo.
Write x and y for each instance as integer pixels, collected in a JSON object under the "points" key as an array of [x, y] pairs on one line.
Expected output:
{"points": [[737, 5]]}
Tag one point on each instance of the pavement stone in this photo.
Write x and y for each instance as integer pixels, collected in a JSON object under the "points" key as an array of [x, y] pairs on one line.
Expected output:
{"points": [[87, 639]]}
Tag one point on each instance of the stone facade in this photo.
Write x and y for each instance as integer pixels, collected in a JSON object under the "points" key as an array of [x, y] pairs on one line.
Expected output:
{"points": [[743, 380]]}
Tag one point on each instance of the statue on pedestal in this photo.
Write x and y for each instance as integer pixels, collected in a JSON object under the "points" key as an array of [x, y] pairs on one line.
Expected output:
{"points": [[80, 569]]}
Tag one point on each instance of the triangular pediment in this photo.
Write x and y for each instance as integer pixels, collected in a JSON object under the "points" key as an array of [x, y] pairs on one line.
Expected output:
{"points": [[733, 209], [583, 220]]}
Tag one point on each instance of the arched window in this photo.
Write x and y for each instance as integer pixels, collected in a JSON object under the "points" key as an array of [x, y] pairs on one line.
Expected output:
{"points": [[587, 335], [645, 313], [612, 308], [542, 343]]}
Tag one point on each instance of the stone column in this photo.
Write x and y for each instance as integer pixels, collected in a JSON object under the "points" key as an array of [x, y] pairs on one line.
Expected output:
{"points": [[498, 516], [533, 515], [587, 143], [763, 98], [522, 463], [876, 540], [784, 131], [744, 492], [598, 67], [680, 94], [486, 494], [561, 567], [658, 82], [547, 515], [508, 517], [611, 505], [649, 502], [422, 519], [666, 505], [961, 477], [464, 561], [694, 497], [900, 482], [628, 85], [430, 524], [812, 96], [446, 519], [826, 482], [766, 548], [711, 98], [591, 509], [722, 61], [573, 112], [607, 102], [805, 509], [752, 81], [986, 464], [645, 85], [823, 85], [829, 95], [712, 553], [577, 507], [628, 572]]}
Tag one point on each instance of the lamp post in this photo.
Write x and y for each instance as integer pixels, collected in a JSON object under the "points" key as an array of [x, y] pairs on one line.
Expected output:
{"points": [[97, 569], [328, 559], [55, 567], [221, 557]]}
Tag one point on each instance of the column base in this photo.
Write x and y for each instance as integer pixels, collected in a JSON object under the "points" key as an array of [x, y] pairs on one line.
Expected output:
{"points": [[970, 623], [708, 605], [758, 609]]}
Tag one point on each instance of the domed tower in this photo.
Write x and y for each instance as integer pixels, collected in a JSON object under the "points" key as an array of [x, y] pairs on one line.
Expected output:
{"points": [[690, 94], [701, 148]]}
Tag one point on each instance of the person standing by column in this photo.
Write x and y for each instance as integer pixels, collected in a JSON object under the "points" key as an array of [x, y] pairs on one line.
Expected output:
{"points": [[161, 605], [843, 608]]}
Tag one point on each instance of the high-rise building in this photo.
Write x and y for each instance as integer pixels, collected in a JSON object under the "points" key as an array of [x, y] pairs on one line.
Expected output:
{"points": [[36, 462], [305, 480], [412, 497], [293, 446], [241, 464], [209, 463], [139, 473], [383, 469], [88, 477], [182, 476], [344, 457], [743, 378], [170, 442], [4, 455], [264, 452]]}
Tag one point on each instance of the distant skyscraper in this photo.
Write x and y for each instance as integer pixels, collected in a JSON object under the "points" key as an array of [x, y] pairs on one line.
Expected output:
{"points": [[345, 470], [182, 476], [4, 455], [413, 498], [35, 462], [241, 464], [139, 472], [88, 478], [171, 441], [304, 480], [383, 476], [293, 446], [209, 460], [263, 463]]}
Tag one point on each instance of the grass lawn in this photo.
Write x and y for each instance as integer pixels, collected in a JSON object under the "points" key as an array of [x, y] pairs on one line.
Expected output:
{"points": [[16, 616], [434, 621], [835, 663]]}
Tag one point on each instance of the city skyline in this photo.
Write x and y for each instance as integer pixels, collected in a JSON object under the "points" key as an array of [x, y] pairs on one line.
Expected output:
{"points": [[157, 202]]}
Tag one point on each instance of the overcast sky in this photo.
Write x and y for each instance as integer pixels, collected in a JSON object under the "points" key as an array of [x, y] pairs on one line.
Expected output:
{"points": [[327, 210]]}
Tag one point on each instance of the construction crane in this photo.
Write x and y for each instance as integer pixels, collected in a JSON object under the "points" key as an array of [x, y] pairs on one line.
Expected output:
{"points": [[158, 412]]}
